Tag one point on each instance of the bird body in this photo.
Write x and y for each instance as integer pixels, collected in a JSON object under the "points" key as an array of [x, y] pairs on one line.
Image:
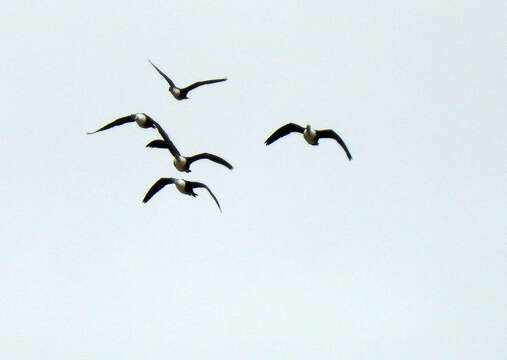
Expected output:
{"points": [[181, 93], [143, 121], [182, 163], [310, 135], [183, 186], [176, 92]]}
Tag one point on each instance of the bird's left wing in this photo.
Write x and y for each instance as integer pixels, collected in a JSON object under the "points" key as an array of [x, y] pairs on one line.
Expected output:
{"points": [[159, 184], [117, 122], [284, 130], [331, 134], [163, 75], [211, 157], [194, 184]]}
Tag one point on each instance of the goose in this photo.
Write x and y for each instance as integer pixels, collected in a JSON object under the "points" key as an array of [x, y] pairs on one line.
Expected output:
{"points": [[183, 186], [141, 119], [181, 93], [182, 163], [310, 135]]}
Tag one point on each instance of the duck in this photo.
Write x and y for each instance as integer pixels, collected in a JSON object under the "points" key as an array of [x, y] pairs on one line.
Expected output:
{"points": [[141, 119], [181, 93], [183, 186], [311, 136], [182, 163]]}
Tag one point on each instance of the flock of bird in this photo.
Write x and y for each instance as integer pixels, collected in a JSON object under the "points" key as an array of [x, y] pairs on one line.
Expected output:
{"points": [[182, 163]]}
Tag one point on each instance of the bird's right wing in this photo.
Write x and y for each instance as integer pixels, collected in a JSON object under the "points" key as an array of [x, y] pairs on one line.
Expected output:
{"points": [[331, 134], [284, 130], [168, 142], [159, 184], [163, 75], [159, 144], [195, 184], [117, 122]]}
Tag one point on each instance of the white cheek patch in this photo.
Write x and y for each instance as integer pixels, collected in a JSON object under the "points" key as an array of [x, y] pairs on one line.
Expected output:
{"points": [[176, 91]]}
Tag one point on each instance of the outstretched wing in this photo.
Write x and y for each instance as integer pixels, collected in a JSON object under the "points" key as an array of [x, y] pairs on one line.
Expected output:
{"points": [[331, 134], [163, 75], [200, 83], [284, 130], [194, 184], [169, 144], [159, 144], [159, 184], [117, 122], [208, 156]]}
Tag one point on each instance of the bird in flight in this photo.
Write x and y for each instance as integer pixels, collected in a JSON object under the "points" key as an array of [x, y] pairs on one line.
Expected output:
{"points": [[183, 186], [182, 163], [141, 119], [181, 93], [310, 135]]}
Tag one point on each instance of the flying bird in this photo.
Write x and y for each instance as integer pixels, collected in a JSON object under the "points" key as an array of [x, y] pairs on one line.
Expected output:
{"points": [[182, 163], [181, 93], [311, 136], [141, 119], [183, 186]]}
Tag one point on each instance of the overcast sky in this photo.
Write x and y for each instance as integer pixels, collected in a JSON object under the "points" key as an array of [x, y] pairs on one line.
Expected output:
{"points": [[398, 254]]}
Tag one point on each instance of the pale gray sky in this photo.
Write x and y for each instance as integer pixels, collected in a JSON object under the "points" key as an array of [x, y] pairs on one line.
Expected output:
{"points": [[399, 254]]}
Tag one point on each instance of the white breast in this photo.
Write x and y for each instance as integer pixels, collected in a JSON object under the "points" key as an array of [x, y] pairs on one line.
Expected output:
{"points": [[141, 120], [180, 185], [310, 136], [175, 91], [180, 163]]}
